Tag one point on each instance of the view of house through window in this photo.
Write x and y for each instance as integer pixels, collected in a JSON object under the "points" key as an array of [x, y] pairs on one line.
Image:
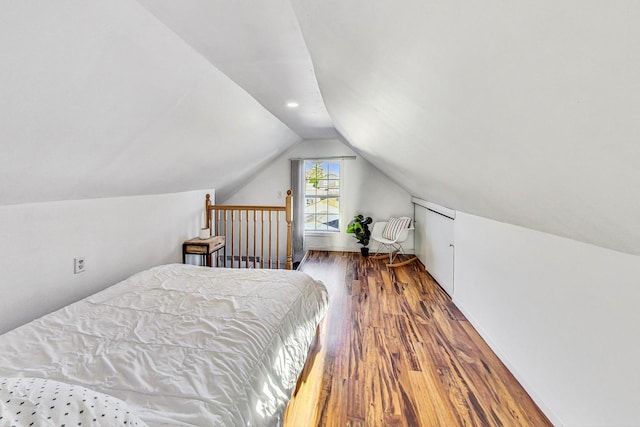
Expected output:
{"points": [[322, 195]]}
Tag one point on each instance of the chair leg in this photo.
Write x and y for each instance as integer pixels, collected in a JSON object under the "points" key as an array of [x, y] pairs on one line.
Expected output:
{"points": [[393, 248], [393, 251], [401, 263], [382, 247]]}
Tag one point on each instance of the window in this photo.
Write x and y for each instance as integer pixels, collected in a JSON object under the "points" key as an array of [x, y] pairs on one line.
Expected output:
{"points": [[322, 195]]}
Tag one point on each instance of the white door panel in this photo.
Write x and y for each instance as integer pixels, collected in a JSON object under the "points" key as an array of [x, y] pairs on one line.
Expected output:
{"points": [[435, 245]]}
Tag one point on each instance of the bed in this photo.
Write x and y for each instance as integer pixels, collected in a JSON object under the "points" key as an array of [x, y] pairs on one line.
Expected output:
{"points": [[172, 345]]}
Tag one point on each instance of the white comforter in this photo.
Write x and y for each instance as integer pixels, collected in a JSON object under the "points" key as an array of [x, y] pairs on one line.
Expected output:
{"points": [[181, 345]]}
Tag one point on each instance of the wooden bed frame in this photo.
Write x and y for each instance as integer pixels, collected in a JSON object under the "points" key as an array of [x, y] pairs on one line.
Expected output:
{"points": [[253, 233]]}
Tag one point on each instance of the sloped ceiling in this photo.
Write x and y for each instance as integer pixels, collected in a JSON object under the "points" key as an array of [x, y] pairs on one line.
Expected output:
{"points": [[101, 99], [258, 44], [523, 112]]}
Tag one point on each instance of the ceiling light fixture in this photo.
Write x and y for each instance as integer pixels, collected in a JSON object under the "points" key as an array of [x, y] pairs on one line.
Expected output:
{"points": [[292, 104]]}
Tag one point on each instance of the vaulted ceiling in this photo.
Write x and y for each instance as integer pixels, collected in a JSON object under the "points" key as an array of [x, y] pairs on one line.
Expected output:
{"points": [[102, 99], [521, 112]]}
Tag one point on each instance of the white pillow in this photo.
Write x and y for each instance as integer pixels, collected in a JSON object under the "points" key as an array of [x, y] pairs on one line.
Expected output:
{"points": [[43, 402], [395, 226]]}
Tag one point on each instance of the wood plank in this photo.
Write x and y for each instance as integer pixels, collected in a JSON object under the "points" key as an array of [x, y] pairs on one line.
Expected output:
{"points": [[395, 351]]}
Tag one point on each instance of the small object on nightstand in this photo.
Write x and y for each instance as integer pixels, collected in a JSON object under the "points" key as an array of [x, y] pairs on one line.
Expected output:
{"points": [[204, 233], [204, 248]]}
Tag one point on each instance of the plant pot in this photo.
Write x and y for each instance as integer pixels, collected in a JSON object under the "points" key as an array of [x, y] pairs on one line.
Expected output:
{"points": [[364, 251]]}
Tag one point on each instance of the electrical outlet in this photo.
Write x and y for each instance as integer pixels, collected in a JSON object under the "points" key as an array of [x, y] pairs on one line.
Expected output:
{"points": [[79, 265], [279, 194]]}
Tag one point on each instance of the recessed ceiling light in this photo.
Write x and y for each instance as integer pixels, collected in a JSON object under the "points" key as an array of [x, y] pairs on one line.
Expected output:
{"points": [[292, 104]]}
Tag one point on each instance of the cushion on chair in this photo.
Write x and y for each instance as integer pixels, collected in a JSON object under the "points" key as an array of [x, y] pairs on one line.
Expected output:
{"points": [[394, 226]]}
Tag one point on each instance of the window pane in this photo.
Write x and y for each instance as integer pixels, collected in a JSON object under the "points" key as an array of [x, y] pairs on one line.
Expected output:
{"points": [[321, 217], [321, 205], [333, 170], [333, 222], [309, 222], [322, 191], [310, 208], [310, 187], [333, 205], [314, 171]]}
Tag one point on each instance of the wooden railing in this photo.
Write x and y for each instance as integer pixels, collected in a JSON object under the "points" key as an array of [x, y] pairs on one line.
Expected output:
{"points": [[256, 236]]}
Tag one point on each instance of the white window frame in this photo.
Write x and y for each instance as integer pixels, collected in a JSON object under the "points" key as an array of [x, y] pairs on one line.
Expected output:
{"points": [[340, 164]]}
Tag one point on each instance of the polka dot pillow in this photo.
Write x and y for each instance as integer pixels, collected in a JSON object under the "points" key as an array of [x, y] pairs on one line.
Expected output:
{"points": [[42, 402]]}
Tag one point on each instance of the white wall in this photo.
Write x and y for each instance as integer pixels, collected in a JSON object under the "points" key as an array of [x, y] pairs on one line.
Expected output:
{"points": [[117, 237], [562, 315], [365, 190]]}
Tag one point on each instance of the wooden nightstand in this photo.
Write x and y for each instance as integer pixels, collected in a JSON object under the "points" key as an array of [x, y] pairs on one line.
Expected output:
{"points": [[204, 248]]}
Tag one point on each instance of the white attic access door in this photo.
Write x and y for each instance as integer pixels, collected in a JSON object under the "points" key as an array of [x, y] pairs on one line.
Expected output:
{"points": [[435, 241]]}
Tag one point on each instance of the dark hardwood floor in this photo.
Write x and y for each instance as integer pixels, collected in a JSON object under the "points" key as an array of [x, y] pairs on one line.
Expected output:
{"points": [[395, 351]]}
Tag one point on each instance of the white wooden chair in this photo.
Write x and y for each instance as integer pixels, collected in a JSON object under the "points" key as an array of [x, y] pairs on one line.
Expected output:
{"points": [[390, 235]]}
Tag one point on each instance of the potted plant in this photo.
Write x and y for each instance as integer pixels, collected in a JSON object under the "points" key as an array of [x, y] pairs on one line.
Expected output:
{"points": [[359, 227]]}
